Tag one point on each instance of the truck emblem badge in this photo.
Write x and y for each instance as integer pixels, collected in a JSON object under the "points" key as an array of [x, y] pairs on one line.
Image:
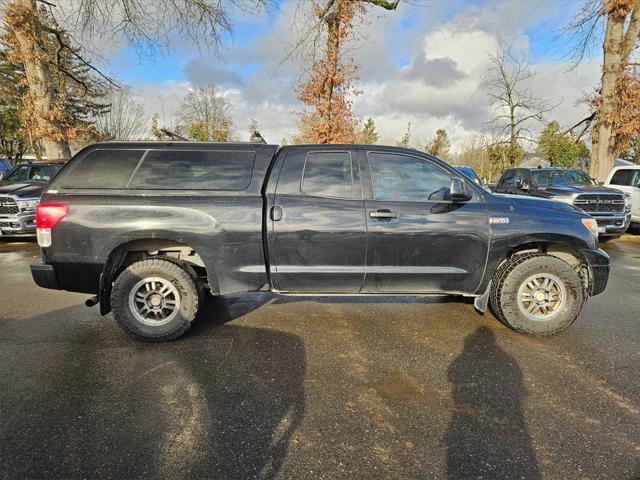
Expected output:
{"points": [[498, 220]]}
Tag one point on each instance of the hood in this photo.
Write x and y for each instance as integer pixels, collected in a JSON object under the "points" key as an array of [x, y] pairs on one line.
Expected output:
{"points": [[575, 189], [22, 189], [537, 202]]}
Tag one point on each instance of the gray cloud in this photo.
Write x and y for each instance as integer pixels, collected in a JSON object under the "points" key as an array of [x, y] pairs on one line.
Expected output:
{"points": [[439, 72], [200, 72]]}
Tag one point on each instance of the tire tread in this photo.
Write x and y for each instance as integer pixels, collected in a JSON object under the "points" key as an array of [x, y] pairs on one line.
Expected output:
{"points": [[120, 298]]}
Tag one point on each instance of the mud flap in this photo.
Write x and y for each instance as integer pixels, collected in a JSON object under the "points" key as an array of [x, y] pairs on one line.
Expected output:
{"points": [[481, 302]]}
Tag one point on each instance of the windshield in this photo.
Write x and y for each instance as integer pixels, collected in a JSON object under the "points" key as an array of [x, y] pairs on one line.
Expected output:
{"points": [[33, 173], [560, 177], [469, 172]]}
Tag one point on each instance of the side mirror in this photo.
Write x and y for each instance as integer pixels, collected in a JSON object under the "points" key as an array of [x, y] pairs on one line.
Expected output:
{"points": [[459, 191]]}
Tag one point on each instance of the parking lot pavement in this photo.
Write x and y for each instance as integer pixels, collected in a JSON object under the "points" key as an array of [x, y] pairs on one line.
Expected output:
{"points": [[266, 387]]}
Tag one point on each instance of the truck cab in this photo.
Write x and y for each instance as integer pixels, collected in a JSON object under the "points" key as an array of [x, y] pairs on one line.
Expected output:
{"points": [[147, 227]]}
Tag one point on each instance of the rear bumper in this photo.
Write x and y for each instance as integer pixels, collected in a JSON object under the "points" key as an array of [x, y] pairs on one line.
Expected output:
{"points": [[45, 276], [599, 264], [18, 224]]}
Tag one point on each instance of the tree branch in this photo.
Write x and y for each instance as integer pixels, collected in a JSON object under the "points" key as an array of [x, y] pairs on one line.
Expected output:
{"points": [[62, 45], [384, 4], [588, 120]]}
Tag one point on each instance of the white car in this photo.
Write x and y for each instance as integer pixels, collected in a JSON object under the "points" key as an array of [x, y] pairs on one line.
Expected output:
{"points": [[627, 179]]}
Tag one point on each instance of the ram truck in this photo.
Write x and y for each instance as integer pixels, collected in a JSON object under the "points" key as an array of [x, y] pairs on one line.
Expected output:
{"points": [[608, 206], [20, 190], [147, 229]]}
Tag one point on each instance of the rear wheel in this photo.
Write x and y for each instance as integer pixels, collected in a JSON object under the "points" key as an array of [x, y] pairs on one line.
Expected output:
{"points": [[537, 294], [155, 299]]}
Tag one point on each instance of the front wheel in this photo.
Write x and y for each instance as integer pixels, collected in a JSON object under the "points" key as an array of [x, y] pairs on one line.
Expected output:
{"points": [[155, 300], [537, 294]]}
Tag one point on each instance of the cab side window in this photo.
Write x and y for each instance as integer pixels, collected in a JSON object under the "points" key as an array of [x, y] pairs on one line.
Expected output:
{"points": [[19, 174], [403, 178], [328, 174], [508, 179]]}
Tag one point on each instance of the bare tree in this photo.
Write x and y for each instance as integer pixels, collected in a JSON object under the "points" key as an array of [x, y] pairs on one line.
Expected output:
{"points": [[205, 115], [515, 106], [143, 24], [619, 84], [124, 120]]}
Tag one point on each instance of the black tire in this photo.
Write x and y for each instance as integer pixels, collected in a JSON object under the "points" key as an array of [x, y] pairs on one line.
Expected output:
{"points": [[514, 273], [184, 285]]}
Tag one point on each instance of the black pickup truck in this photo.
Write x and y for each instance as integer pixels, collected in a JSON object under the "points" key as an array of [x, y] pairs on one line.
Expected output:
{"points": [[146, 228]]}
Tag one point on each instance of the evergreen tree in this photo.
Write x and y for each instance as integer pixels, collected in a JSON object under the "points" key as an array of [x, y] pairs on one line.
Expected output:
{"points": [[13, 137], [440, 146], [406, 138], [558, 148], [368, 135]]}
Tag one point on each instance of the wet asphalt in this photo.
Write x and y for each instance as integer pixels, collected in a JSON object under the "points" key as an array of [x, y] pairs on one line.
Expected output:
{"points": [[306, 388]]}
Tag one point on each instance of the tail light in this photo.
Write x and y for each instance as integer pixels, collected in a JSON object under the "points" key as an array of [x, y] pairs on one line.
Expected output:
{"points": [[48, 215]]}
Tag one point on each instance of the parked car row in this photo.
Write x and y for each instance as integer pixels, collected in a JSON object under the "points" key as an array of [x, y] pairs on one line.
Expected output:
{"points": [[20, 191], [615, 205]]}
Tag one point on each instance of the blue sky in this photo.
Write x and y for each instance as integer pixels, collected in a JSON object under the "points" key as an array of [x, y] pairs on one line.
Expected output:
{"points": [[545, 44], [426, 33]]}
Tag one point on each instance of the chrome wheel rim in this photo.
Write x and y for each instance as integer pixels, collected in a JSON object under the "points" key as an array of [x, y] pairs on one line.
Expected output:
{"points": [[154, 301], [541, 296]]}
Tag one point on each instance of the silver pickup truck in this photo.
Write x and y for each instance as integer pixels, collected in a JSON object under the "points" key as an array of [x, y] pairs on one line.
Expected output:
{"points": [[20, 191]]}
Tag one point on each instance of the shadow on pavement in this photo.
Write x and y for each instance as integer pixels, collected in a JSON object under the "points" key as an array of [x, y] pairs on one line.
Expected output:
{"points": [[487, 435], [86, 402]]}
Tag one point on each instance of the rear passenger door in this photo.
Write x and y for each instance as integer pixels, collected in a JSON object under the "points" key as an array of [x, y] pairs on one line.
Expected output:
{"points": [[318, 223]]}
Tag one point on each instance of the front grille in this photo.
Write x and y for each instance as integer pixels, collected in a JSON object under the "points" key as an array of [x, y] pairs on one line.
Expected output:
{"points": [[600, 202], [8, 206]]}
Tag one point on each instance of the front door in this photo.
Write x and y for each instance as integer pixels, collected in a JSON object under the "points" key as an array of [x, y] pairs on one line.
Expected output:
{"points": [[318, 223], [419, 241]]}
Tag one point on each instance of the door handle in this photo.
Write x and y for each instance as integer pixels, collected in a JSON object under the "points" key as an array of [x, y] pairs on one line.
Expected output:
{"points": [[276, 213], [383, 214]]}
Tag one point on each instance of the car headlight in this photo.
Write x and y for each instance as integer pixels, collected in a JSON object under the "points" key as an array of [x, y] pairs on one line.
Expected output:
{"points": [[627, 202], [591, 225], [28, 204]]}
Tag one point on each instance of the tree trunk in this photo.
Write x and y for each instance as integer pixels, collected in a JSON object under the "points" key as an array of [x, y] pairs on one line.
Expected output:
{"points": [[333, 51], [602, 153], [39, 81]]}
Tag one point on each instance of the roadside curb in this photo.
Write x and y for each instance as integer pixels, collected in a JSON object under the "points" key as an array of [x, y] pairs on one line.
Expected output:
{"points": [[630, 238]]}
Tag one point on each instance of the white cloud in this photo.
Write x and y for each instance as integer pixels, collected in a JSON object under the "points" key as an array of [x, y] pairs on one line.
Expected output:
{"points": [[438, 86]]}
